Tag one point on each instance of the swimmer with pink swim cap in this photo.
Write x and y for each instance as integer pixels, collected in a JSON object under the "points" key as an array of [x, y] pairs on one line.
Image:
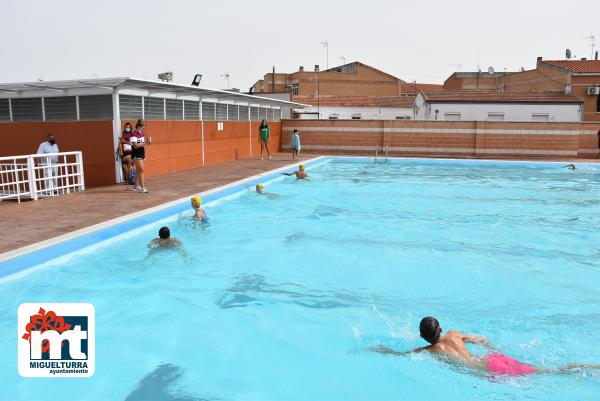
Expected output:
{"points": [[451, 346]]}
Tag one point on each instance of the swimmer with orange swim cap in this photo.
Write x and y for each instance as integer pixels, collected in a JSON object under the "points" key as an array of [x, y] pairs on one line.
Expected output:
{"points": [[199, 213], [451, 346], [300, 173]]}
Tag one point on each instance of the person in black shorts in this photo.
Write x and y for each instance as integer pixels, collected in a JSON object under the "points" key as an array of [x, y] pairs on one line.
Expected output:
{"points": [[138, 154]]}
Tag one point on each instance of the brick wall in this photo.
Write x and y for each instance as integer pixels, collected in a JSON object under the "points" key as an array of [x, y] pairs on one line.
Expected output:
{"points": [[471, 139]]}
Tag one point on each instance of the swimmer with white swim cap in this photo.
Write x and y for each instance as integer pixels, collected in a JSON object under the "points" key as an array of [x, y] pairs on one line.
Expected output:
{"points": [[300, 173], [199, 213]]}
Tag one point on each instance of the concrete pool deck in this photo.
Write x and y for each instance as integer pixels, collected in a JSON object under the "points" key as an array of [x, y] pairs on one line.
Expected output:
{"points": [[30, 222]]}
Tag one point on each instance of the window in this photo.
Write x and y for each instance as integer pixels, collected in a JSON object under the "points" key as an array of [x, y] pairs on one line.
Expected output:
{"points": [[191, 110], [27, 109], [295, 89], [221, 111], [62, 108], [99, 107], [232, 112], [208, 111], [130, 107], [540, 117], [277, 114], [356, 116], [243, 113], [598, 104], [174, 109], [254, 114], [452, 116], [4, 110], [154, 108], [495, 116]]}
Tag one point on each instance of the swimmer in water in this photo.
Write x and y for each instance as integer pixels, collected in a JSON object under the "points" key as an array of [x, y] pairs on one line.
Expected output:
{"points": [[300, 173], [259, 189], [451, 347], [571, 167], [164, 240], [199, 213]]}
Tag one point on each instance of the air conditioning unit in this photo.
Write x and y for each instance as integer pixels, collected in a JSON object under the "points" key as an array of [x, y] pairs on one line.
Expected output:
{"points": [[593, 90]]}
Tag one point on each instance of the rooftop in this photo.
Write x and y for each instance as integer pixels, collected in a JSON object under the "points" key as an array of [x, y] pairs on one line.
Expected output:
{"points": [[577, 66], [357, 101], [500, 97], [126, 85]]}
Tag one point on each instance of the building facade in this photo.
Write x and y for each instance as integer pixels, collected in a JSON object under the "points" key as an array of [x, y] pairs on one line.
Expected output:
{"points": [[190, 126], [354, 108], [353, 79], [498, 106], [577, 77]]}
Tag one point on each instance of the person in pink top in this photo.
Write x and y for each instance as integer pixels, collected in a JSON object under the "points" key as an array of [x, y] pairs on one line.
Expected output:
{"points": [[451, 347]]}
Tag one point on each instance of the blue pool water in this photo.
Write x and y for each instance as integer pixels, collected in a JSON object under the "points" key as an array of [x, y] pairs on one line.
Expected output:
{"points": [[280, 298]]}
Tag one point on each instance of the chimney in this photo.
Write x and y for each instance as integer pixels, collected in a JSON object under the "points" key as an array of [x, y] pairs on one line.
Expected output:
{"points": [[316, 67], [539, 58], [301, 68]]}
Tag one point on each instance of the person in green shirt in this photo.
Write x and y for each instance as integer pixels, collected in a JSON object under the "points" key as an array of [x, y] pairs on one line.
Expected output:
{"points": [[263, 138]]}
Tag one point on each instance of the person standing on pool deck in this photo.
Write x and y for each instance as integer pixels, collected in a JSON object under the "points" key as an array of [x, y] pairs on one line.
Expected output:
{"points": [[300, 173], [452, 346], [263, 138], [199, 213], [138, 154], [125, 151], [295, 144]]}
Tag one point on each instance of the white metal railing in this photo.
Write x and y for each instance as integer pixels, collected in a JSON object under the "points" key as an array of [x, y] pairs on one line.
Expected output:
{"points": [[39, 176]]}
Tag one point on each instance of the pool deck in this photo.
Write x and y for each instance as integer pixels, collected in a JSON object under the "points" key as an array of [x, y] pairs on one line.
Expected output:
{"points": [[30, 222]]}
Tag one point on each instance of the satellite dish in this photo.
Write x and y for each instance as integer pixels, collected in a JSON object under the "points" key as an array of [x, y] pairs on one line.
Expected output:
{"points": [[568, 54], [491, 70]]}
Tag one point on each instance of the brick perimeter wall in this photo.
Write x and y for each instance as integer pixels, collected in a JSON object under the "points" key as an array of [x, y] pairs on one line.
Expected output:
{"points": [[93, 138], [470, 139], [177, 145]]}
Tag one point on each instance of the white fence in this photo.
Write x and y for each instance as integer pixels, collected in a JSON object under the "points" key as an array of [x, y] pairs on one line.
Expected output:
{"points": [[39, 176]]}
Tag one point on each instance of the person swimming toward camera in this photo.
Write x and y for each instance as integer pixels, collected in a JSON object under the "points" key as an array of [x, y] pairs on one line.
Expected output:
{"points": [[451, 346], [199, 213], [571, 167], [300, 173], [164, 240]]}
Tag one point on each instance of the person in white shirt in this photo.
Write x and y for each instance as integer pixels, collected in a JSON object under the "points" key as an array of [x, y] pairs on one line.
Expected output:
{"points": [[50, 170]]}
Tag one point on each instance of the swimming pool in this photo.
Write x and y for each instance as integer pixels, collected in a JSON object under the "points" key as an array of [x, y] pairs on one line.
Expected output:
{"points": [[280, 298]]}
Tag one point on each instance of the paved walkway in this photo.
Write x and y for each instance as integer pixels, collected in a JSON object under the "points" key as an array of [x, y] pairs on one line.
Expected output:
{"points": [[30, 222]]}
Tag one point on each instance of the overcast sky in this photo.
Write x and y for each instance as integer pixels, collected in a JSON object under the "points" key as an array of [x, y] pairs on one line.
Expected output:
{"points": [[413, 40]]}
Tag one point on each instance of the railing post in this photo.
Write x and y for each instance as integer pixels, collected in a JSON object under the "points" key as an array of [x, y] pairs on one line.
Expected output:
{"points": [[79, 161], [31, 177], [66, 174]]}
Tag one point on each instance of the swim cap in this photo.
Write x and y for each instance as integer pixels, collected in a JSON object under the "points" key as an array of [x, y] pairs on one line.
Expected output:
{"points": [[196, 201], [259, 185], [301, 167]]}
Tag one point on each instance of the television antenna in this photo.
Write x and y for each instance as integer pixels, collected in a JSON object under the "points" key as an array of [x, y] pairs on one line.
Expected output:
{"points": [[491, 70], [343, 59], [568, 54], [593, 44]]}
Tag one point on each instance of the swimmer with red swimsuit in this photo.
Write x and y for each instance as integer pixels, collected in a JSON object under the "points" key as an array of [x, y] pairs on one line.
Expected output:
{"points": [[452, 346]]}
